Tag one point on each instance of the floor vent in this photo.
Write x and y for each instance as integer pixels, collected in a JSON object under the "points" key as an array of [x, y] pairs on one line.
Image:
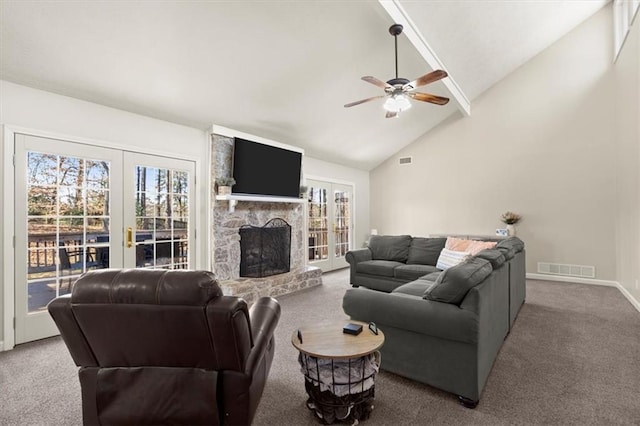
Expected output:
{"points": [[404, 161], [565, 269]]}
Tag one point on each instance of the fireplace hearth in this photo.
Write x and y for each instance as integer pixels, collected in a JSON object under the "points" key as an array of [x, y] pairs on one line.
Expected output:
{"points": [[265, 250]]}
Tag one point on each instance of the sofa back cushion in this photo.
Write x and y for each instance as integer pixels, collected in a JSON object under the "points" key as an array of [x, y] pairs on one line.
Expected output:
{"points": [[495, 256], [508, 252], [390, 247], [425, 251], [513, 243], [454, 283]]}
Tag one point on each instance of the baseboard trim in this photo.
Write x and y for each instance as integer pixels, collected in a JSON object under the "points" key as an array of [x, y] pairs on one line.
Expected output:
{"points": [[567, 279], [629, 297], [590, 281], [1, 345]]}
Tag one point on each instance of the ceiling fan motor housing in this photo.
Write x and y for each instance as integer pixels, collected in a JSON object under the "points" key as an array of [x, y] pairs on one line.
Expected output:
{"points": [[398, 81]]}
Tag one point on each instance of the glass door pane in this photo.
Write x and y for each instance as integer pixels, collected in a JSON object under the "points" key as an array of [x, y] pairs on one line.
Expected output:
{"points": [[162, 218], [342, 220], [318, 224], [68, 223]]}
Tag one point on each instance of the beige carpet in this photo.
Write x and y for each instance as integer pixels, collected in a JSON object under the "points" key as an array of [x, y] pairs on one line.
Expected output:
{"points": [[573, 357]]}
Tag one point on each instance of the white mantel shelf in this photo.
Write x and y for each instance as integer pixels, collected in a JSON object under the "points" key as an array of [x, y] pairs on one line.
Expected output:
{"points": [[234, 198]]}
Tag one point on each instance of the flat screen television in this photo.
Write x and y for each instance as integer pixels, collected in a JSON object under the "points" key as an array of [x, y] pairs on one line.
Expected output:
{"points": [[261, 169]]}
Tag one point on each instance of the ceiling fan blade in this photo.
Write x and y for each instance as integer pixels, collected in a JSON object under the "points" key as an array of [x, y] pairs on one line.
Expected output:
{"points": [[391, 114], [426, 97], [362, 101], [377, 82], [425, 79]]}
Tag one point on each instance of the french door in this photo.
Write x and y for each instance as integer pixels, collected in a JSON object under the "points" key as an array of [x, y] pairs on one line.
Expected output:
{"points": [[330, 213], [159, 228], [80, 208]]}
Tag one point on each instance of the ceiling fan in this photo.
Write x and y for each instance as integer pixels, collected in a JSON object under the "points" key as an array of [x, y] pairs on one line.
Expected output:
{"points": [[399, 90]]}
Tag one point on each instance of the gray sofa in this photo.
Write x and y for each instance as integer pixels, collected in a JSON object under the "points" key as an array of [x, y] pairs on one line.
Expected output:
{"points": [[392, 260], [444, 329]]}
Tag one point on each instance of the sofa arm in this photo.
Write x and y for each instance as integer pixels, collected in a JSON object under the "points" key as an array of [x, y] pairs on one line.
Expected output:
{"points": [[264, 316], [354, 257], [359, 255], [406, 312]]}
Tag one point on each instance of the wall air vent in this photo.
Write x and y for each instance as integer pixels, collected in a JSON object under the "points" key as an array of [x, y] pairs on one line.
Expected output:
{"points": [[567, 270], [405, 161]]}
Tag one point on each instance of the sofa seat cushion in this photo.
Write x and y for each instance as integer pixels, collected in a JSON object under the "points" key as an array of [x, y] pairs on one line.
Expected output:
{"points": [[432, 276], [414, 288], [407, 312], [425, 251], [390, 247], [413, 272], [454, 283], [378, 267]]}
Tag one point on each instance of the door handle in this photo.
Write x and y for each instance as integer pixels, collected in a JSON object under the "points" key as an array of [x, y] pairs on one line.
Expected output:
{"points": [[129, 237]]}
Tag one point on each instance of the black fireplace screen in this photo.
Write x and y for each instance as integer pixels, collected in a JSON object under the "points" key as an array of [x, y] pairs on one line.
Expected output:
{"points": [[266, 250]]}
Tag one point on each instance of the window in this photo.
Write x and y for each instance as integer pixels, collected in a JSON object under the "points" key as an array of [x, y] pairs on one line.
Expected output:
{"points": [[624, 12]]}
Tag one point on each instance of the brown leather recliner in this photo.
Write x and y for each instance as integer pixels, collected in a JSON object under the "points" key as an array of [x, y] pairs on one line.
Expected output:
{"points": [[166, 347]]}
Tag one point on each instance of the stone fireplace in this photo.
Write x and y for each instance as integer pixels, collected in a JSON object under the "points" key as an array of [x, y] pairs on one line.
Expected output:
{"points": [[228, 224]]}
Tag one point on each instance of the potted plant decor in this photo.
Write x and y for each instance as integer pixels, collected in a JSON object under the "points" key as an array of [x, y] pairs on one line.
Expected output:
{"points": [[224, 185], [511, 218], [303, 191]]}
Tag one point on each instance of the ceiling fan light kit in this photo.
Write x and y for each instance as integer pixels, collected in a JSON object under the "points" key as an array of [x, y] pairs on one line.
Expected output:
{"points": [[397, 103], [399, 91]]}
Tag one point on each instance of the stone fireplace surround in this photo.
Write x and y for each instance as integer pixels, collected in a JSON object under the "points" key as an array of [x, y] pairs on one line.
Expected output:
{"points": [[226, 237]]}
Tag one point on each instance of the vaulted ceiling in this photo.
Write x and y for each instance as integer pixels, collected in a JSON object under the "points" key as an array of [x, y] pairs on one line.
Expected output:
{"points": [[278, 69]]}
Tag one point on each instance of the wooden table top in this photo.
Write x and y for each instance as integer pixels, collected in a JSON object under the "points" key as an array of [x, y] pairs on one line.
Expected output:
{"points": [[326, 340]]}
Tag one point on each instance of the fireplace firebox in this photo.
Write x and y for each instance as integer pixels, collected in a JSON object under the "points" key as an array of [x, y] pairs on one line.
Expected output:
{"points": [[265, 250]]}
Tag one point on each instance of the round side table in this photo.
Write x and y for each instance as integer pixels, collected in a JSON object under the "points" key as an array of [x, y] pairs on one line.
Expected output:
{"points": [[339, 369]]}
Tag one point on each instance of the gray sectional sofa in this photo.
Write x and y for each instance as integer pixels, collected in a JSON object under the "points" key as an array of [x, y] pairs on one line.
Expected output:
{"points": [[444, 329]]}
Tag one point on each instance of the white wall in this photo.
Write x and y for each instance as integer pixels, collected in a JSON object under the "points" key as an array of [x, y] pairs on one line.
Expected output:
{"points": [[627, 110], [540, 143], [47, 112], [360, 178]]}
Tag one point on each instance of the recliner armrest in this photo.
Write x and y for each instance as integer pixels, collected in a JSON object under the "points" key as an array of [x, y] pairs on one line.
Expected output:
{"points": [[264, 316], [60, 310]]}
